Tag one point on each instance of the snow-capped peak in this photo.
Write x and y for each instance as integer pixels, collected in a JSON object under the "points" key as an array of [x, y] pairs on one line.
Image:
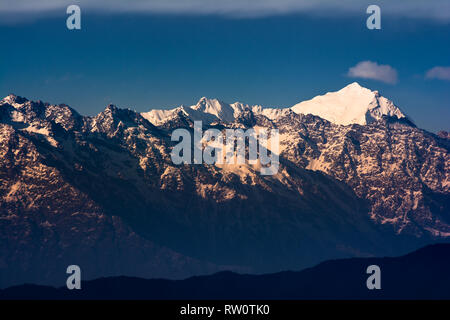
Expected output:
{"points": [[351, 104], [221, 110], [13, 100]]}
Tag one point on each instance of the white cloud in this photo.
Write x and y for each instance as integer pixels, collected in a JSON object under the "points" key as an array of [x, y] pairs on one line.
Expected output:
{"points": [[436, 9], [373, 70], [441, 73]]}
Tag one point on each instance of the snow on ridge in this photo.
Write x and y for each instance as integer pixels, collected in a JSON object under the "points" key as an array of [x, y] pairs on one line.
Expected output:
{"points": [[157, 116], [351, 104], [13, 100], [210, 110], [221, 110], [206, 110]]}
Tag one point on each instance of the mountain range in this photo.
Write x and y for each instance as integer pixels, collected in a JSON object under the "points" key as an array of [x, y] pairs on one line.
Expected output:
{"points": [[357, 177], [351, 105]]}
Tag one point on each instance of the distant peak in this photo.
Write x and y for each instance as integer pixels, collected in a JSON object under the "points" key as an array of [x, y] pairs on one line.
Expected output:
{"points": [[111, 107], [206, 100], [205, 104], [12, 98], [203, 100], [351, 104], [355, 86]]}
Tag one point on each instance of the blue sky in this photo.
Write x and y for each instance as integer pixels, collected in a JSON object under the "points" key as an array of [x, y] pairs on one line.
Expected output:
{"points": [[146, 59]]}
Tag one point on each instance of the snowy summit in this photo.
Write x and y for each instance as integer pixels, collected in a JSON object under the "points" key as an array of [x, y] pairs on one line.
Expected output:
{"points": [[351, 104]]}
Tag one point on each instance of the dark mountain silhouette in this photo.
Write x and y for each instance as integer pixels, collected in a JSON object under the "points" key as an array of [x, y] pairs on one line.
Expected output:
{"points": [[423, 274]]}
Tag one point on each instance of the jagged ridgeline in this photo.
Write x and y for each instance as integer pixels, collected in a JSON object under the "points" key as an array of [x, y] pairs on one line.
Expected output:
{"points": [[356, 178]]}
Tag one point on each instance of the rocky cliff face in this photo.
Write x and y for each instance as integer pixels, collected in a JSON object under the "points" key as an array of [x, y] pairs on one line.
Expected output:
{"points": [[102, 192], [401, 170], [48, 221]]}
